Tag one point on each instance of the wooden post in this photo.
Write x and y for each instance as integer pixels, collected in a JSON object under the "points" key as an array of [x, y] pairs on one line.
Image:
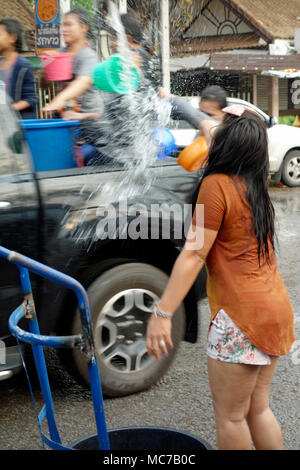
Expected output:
{"points": [[274, 97], [254, 86], [291, 105], [122, 6], [165, 43], [65, 6]]}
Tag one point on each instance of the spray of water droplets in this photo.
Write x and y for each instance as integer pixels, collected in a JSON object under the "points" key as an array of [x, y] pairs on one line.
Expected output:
{"points": [[125, 134], [127, 125]]}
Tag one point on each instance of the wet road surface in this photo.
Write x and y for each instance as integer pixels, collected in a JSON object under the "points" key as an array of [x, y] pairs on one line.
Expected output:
{"points": [[182, 399]]}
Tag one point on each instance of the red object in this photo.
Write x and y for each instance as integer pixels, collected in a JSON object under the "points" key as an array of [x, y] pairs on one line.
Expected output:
{"points": [[58, 67], [78, 155]]}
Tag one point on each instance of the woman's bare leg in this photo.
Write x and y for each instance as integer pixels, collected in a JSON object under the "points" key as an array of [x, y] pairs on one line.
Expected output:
{"points": [[232, 386], [265, 430]]}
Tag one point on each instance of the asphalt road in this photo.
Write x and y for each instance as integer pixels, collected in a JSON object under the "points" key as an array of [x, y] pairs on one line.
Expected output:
{"points": [[182, 399]]}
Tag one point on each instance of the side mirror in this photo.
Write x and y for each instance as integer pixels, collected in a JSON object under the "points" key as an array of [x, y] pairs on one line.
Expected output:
{"points": [[273, 121]]}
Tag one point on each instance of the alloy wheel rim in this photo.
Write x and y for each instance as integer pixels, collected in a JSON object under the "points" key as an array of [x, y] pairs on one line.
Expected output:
{"points": [[293, 169], [120, 331]]}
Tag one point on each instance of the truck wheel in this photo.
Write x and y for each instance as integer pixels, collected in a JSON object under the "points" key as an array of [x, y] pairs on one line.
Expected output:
{"points": [[291, 168], [120, 301]]}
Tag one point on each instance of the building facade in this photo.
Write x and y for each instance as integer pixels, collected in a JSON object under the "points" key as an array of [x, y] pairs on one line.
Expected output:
{"points": [[239, 44]]}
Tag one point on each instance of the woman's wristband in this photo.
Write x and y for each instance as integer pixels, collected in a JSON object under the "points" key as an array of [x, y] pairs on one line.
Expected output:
{"points": [[159, 313]]}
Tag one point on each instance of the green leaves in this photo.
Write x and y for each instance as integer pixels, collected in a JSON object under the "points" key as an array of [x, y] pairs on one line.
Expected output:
{"points": [[86, 4]]}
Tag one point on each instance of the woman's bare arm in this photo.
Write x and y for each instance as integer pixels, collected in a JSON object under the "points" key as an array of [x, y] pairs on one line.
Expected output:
{"points": [[75, 89], [186, 268]]}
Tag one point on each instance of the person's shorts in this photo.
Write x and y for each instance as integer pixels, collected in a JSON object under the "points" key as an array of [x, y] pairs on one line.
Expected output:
{"points": [[227, 343]]}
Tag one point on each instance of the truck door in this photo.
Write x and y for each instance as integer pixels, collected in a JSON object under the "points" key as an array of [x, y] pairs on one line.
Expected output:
{"points": [[19, 209]]}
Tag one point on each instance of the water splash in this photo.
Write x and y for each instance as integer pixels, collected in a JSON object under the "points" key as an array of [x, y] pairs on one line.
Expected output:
{"points": [[128, 124], [125, 133]]}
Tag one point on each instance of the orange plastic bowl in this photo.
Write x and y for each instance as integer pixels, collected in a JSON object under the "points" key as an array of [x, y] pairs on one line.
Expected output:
{"points": [[194, 156]]}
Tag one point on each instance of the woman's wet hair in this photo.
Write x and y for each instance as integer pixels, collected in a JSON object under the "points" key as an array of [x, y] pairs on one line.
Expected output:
{"points": [[240, 148], [132, 27], [13, 26]]}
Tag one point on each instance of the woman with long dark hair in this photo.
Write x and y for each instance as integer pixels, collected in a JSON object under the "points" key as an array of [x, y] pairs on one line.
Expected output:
{"points": [[252, 321]]}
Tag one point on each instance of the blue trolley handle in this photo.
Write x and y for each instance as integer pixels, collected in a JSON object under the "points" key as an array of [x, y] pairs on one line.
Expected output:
{"points": [[83, 342]]}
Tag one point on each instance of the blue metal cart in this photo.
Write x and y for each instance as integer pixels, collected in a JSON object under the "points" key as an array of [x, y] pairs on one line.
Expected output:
{"points": [[134, 438]]}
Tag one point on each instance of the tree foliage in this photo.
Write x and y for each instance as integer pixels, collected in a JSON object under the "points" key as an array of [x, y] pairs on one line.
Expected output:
{"points": [[86, 4]]}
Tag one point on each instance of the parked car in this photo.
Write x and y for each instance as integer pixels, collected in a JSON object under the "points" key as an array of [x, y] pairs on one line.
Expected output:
{"points": [[284, 143], [53, 217]]}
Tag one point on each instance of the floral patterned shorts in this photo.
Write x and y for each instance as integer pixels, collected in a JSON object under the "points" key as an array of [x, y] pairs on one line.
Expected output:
{"points": [[227, 343]]}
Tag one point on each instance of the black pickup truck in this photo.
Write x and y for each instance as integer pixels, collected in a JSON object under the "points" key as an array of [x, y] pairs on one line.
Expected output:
{"points": [[53, 217]]}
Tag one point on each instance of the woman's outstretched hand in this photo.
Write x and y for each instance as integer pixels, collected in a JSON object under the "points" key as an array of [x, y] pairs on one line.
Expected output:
{"points": [[159, 336]]}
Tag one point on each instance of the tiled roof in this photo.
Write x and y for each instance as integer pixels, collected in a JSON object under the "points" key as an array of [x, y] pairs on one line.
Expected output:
{"points": [[215, 43], [268, 19], [274, 18]]}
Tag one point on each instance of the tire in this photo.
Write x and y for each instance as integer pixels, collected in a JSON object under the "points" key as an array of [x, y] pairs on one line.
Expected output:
{"points": [[291, 168], [120, 301]]}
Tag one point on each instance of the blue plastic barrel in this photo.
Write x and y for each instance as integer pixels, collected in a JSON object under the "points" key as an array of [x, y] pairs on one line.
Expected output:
{"points": [[51, 142]]}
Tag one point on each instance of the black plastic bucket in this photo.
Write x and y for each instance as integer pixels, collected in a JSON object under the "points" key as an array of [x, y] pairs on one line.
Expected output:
{"points": [[145, 438]]}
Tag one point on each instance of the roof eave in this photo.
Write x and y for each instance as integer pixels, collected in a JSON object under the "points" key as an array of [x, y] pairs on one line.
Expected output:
{"points": [[257, 27]]}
